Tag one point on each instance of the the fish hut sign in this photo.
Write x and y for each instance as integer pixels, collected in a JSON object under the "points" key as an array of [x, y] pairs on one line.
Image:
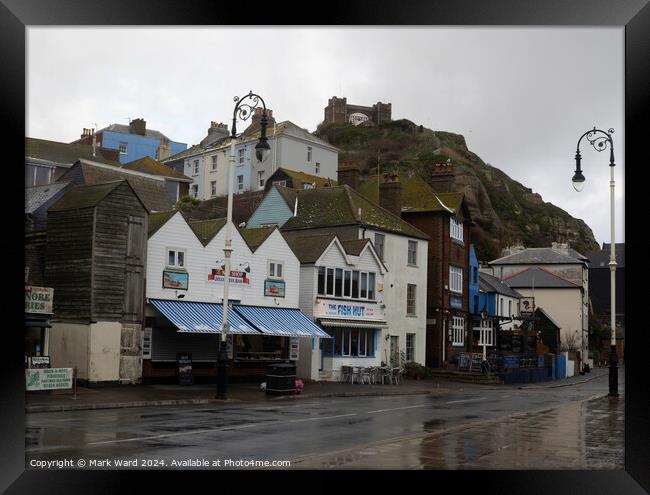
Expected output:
{"points": [[346, 310], [38, 299]]}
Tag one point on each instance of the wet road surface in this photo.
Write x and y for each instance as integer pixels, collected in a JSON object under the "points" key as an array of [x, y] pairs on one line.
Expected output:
{"points": [[470, 427]]}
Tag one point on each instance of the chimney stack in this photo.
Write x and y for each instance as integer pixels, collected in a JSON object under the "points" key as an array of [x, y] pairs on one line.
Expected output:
{"points": [[390, 193], [216, 131], [443, 177], [164, 151], [138, 126], [349, 174]]}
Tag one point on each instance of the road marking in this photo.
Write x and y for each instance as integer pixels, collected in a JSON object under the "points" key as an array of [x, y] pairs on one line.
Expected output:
{"points": [[465, 400], [395, 409]]}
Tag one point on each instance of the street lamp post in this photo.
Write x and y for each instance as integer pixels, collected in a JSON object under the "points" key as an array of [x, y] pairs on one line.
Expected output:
{"points": [[244, 108], [600, 140]]}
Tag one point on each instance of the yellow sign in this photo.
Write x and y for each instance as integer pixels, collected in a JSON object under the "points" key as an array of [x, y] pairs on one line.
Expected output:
{"points": [[38, 299]]}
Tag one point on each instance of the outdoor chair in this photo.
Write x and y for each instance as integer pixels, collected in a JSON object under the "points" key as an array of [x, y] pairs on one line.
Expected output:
{"points": [[367, 374], [355, 373], [346, 374]]}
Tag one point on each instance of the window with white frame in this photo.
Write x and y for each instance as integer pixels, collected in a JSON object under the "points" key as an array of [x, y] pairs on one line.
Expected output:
{"points": [[410, 347], [458, 330], [196, 167], [195, 190], [456, 279], [317, 168], [123, 146], [486, 333], [240, 182], [351, 342], [413, 253], [260, 178], [410, 299], [308, 154], [214, 162], [455, 229], [175, 258], [241, 154], [380, 240], [213, 188], [275, 269], [348, 284]]}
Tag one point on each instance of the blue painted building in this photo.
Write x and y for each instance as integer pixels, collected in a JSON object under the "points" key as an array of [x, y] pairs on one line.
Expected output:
{"points": [[473, 282], [134, 141], [276, 208]]}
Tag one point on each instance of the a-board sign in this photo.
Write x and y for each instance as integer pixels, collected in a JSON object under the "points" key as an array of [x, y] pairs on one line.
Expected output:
{"points": [[39, 362], [294, 348], [464, 361], [48, 378], [515, 345], [184, 366], [477, 359]]}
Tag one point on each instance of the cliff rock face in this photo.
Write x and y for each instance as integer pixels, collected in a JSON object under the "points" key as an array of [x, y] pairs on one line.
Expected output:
{"points": [[504, 211]]}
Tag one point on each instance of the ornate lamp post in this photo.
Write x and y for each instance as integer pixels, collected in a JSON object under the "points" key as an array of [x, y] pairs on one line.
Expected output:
{"points": [[600, 140], [244, 108]]}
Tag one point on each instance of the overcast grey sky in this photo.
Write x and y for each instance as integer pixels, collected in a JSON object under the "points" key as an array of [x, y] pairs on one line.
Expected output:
{"points": [[521, 96]]}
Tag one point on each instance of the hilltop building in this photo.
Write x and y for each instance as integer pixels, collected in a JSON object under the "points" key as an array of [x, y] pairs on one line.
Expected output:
{"points": [[338, 111]]}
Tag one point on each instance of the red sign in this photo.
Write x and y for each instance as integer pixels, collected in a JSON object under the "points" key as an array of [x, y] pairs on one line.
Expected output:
{"points": [[236, 277]]}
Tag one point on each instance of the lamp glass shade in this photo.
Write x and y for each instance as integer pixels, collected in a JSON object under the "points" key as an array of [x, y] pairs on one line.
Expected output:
{"points": [[578, 181], [262, 150]]}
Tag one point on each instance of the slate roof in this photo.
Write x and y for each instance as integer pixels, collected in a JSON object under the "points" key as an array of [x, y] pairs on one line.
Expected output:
{"points": [[354, 246], [151, 190], [548, 316], [205, 230], [305, 177], [540, 256], [255, 237], [287, 128], [192, 150], [488, 283], [340, 205], [289, 195], [309, 248], [600, 259], [417, 195], [244, 205], [85, 196], [158, 219], [538, 278], [124, 129], [150, 166], [37, 196], [64, 153]]}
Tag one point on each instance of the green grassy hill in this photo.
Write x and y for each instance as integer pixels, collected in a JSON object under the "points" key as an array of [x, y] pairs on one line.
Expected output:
{"points": [[504, 211]]}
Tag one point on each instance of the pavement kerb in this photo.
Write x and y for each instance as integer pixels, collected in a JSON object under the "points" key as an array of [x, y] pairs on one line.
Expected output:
{"points": [[183, 402], [600, 375], [451, 429]]}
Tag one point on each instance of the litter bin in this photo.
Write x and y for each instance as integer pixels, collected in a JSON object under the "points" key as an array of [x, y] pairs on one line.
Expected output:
{"points": [[281, 379]]}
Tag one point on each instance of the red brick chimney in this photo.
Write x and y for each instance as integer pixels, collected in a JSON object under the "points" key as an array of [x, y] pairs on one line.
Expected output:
{"points": [[442, 177], [390, 193], [349, 174]]}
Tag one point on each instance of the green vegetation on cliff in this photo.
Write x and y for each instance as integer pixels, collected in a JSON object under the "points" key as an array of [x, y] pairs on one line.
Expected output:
{"points": [[504, 211]]}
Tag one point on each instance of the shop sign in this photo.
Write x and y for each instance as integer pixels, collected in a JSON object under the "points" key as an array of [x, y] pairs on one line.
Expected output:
{"points": [[240, 276], [38, 299], [346, 310], [456, 302], [294, 348], [39, 362], [527, 306], [48, 378], [146, 343], [176, 280], [274, 288]]}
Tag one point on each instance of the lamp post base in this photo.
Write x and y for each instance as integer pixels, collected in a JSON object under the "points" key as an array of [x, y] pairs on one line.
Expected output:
{"points": [[613, 372], [222, 372]]}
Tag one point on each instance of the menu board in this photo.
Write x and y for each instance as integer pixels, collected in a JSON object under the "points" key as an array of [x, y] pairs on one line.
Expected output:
{"points": [[184, 366], [464, 361]]}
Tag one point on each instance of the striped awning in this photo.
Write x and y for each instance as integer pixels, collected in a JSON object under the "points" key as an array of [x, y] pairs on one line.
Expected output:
{"points": [[285, 322], [197, 317], [341, 322]]}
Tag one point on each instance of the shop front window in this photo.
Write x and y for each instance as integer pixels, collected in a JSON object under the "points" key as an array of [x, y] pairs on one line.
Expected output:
{"points": [[353, 342]]}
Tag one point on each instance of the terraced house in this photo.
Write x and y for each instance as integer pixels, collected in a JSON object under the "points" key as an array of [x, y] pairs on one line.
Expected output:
{"points": [[400, 247], [185, 290]]}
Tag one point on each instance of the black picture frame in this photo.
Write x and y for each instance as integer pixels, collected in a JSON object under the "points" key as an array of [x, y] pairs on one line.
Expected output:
{"points": [[176, 272], [633, 15]]}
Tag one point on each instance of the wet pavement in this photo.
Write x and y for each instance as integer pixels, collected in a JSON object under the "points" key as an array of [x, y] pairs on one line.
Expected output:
{"points": [[464, 427]]}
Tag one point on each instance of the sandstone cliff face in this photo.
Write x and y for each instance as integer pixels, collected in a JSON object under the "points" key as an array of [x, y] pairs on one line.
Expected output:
{"points": [[504, 211]]}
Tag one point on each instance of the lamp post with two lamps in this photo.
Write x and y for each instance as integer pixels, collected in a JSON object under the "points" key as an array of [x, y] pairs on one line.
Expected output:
{"points": [[244, 108], [600, 141]]}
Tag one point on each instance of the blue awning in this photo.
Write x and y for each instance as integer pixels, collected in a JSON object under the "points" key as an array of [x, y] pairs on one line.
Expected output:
{"points": [[281, 321], [196, 317]]}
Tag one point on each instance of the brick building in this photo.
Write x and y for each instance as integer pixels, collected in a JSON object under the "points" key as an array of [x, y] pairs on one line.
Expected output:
{"points": [[338, 111]]}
